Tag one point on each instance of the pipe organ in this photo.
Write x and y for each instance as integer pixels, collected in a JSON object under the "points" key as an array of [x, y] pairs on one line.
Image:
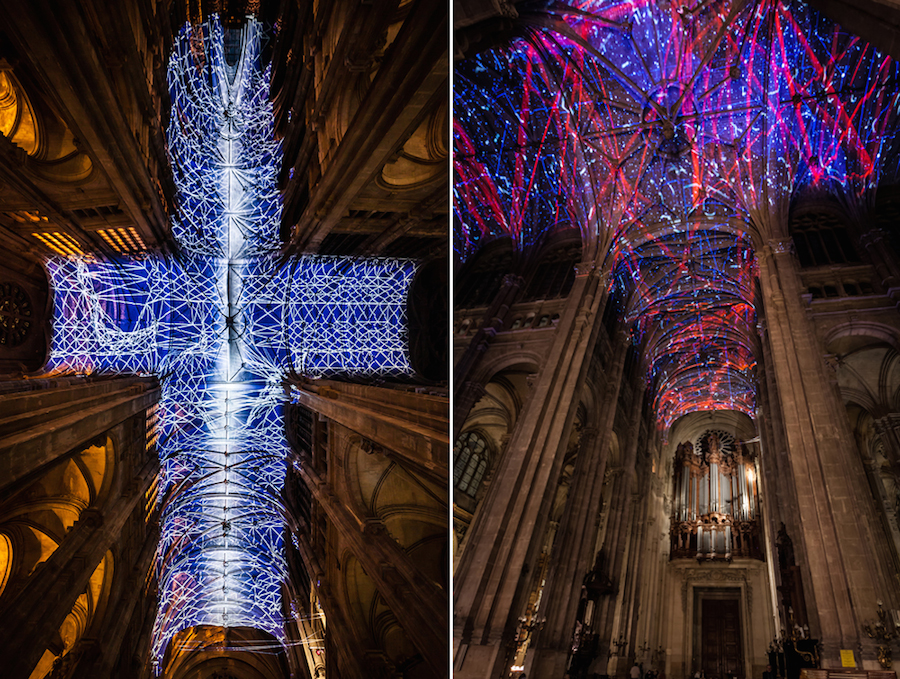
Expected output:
{"points": [[716, 501]]}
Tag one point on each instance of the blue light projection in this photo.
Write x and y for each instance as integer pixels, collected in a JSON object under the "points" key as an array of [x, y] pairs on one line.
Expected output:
{"points": [[674, 136], [221, 322]]}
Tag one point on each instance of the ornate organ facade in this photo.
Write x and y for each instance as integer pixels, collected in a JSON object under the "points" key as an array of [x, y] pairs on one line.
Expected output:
{"points": [[715, 509]]}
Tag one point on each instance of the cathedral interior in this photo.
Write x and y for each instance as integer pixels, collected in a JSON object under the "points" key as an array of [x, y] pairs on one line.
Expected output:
{"points": [[227, 337], [224, 405], [675, 339]]}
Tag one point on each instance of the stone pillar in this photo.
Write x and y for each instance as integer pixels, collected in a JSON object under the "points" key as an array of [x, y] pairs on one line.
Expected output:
{"points": [[835, 528], [578, 534], [492, 577], [419, 604], [352, 660], [30, 620], [888, 428], [125, 598], [494, 320], [633, 576], [778, 497], [411, 429], [618, 533]]}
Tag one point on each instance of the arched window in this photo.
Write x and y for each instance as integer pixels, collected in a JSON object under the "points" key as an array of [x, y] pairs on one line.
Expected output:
{"points": [[820, 240], [554, 275], [478, 283], [470, 457]]}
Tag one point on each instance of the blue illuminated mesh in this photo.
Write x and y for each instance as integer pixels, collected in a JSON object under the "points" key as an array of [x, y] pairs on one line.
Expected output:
{"points": [[673, 135], [221, 322]]}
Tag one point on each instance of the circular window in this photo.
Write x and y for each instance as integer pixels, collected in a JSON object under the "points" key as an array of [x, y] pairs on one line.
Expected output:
{"points": [[15, 315]]}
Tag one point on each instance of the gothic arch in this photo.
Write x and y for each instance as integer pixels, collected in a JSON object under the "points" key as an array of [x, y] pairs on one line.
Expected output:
{"points": [[359, 596], [37, 517], [868, 371], [382, 488], [86, 617], [375, 621], [846, 337], [691, 426], [203, 652], [50, 151], [520, 360], [473, 459], [420, 162], [363, 469]]}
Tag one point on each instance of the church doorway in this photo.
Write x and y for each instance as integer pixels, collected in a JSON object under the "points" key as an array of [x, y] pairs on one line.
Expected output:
{"points": [[717, 633]]}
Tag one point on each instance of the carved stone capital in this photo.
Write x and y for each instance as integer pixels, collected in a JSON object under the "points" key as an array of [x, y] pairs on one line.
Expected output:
{"points": [[889, 422], [872, 237], [585, 268], [781, 246], [373, 526], [512, 280], [91, 518], [472, 389], [589, 434], [371, 447], [506, 8], [612, 473]]}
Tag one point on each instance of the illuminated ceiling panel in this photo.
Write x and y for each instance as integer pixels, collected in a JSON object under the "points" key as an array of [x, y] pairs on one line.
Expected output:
{"points": [[673, 135]]}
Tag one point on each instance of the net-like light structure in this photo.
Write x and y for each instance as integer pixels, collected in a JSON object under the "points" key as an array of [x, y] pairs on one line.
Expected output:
{"points": [[674, 136], [221, 323]]}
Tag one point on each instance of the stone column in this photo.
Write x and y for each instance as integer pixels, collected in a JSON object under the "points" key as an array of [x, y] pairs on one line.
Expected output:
{"points": [[618, 533], [45, 418], [634, 574], [834, 526], [30, 620], [777, 491], [413, 432], [888, 428], [494, 320], [578, 534], [419, 604], [126, 598], [492, 577], [352, 658]]}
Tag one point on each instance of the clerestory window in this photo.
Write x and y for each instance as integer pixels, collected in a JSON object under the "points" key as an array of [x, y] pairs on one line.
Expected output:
{"points": [[821, 240], [470, 457]]}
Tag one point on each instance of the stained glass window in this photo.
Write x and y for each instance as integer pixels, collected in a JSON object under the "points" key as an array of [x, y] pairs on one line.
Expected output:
{"points": [[470, 460]]}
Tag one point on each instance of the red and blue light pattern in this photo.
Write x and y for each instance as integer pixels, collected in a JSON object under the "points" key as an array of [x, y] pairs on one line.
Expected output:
{"points": [[674, 135]]}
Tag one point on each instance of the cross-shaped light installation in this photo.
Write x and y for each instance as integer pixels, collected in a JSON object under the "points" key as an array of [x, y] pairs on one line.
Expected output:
{"points": [[221, 323]]}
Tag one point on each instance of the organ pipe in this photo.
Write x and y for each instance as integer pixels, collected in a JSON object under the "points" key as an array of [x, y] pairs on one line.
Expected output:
{"points": [[715, 508]]}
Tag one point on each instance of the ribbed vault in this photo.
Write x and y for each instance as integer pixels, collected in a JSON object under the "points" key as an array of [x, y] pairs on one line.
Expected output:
{"points": [[674, 135]]}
